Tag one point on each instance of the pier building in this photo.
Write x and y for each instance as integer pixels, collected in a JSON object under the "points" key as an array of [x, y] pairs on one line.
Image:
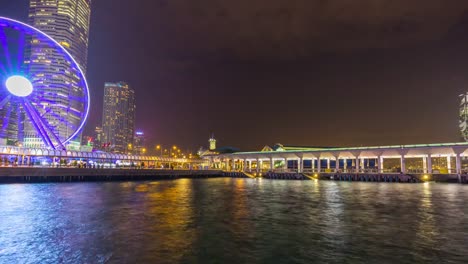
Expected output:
{"points": [[444, 158]]}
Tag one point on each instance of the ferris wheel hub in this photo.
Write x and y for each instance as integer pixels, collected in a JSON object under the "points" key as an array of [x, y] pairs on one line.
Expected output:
{"points": [[19, 86]]}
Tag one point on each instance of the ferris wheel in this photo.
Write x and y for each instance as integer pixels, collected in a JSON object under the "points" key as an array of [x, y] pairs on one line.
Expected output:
{"points": [[44, 96]]}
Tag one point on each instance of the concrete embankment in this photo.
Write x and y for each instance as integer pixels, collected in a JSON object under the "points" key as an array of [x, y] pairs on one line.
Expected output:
{"points": [[409, 178], [38, 175]]}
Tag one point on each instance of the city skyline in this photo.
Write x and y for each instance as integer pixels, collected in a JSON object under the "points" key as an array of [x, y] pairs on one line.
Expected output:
{"points": [[403, 91]]}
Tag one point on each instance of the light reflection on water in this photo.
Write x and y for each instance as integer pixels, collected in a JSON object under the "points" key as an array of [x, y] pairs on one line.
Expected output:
{"points": [[233, 221]]}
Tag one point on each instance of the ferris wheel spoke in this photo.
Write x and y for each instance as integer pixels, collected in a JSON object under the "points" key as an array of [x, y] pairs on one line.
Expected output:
{"points": [[20, 51], [20, 118], [4, 43], [5, 101], [3, 69], [6, 119], [59, 118], [39, 129], [69, 109], [45, 125], [77, 99]]}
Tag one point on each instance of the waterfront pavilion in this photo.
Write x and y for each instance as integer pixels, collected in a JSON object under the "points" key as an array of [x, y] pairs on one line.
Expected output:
{"points": [[445, 158]]}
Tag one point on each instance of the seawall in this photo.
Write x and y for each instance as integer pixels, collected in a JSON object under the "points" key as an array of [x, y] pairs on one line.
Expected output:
{"points": [[38, 175]]}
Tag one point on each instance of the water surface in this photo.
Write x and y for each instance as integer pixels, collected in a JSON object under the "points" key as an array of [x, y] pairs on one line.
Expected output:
{"points": [[233, 221]]}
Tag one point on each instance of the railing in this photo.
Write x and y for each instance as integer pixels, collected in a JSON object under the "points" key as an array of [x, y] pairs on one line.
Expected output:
{"points": [[102, 166], [353, 170]]}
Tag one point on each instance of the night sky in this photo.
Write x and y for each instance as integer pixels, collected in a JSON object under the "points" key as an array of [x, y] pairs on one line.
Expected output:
{"points": [[297, 72]]}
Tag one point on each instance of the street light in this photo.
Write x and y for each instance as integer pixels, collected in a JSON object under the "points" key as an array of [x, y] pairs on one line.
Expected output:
{"points": [[158, 147], [129, 147]]}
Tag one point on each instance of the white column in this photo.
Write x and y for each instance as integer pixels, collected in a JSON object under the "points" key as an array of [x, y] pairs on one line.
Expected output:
{"points": [[337, 164], [272, 164], [429, 164], [458, 163], [250, 165], [328, 163], [319, 166], [313, 165], [381, 164], [357, 163], [285, 164], [245, 165], [259, 165], [345, 164], [300, 165], [403, 164], [449, 165], [424, 159]]}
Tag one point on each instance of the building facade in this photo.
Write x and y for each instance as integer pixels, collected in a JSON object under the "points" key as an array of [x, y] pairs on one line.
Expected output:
{"points": [[212, 142], [67, 22], [98, 140], [139, 144], [118, 117], [463, 116]]}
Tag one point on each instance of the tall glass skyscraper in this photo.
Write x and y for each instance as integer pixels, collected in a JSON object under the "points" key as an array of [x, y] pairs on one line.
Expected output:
{"points": [[118, 117], [67, 22], [463, 116]]}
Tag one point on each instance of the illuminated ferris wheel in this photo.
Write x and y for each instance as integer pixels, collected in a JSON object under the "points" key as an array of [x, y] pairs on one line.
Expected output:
{"points": [[44, 97]]}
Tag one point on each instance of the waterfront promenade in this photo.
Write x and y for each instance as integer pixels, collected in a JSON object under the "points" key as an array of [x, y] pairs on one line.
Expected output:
{"points": [[20, 156], [405, 163], [47, 174]]}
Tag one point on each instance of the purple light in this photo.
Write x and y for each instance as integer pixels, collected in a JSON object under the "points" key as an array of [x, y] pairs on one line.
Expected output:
{"points": [[19, 86]]}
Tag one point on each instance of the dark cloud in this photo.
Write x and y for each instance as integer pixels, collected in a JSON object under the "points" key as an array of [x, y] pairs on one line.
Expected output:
{"points": [[296, 28]]}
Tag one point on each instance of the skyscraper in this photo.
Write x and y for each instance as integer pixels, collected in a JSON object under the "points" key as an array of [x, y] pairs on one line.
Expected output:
{"points": [[463, 116], [139, 144], [118, 116], [67, 22]]}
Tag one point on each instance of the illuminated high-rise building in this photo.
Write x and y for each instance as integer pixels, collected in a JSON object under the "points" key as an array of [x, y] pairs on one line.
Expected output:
{"points": [[118, 116], [98, 142], [139, 144], [67, 22], [463, 116]]}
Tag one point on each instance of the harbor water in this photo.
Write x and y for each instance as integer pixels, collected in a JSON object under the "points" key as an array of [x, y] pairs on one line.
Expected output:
{"points": [[226, 220]]}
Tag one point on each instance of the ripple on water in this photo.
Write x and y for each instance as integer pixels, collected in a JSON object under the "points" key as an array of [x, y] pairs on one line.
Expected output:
{"points": [[233, 221]]}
